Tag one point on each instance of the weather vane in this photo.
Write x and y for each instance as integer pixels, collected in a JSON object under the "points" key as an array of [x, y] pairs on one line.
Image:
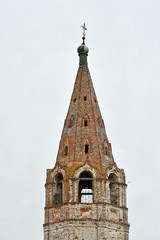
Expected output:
{"points": [[84, 33]]}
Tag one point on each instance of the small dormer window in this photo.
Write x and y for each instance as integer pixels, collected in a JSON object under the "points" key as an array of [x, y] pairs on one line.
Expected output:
{"points": [[66, 151], [85, 123], [105, 151], [86, 148]]}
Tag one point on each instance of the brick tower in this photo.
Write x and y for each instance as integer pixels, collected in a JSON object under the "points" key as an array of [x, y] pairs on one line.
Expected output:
{"points": [[85, 191]]}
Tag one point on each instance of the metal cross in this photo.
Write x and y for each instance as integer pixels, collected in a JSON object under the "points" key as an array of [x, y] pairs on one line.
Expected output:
{"points": [[84, 29]]}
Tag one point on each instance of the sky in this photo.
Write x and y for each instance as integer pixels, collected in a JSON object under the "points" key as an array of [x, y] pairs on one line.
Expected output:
{"points": [[39, 62]]}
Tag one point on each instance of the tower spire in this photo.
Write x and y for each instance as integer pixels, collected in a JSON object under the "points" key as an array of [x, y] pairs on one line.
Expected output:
{"points": [[84, 123]]}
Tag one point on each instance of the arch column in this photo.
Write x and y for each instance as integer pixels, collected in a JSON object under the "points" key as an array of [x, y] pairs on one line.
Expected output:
{"points": [[49, 195], [76, 190]]}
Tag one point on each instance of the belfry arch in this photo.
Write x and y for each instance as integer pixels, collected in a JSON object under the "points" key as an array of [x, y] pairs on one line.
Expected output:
{"points": [[86, 187], [58, 195], [114, 189]]}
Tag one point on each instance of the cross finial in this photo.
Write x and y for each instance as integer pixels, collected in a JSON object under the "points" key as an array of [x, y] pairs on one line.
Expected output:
{"points": [[84, 33]]}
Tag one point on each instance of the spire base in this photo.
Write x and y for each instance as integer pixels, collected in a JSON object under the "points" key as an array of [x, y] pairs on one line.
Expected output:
{"points": [[83, 59]]}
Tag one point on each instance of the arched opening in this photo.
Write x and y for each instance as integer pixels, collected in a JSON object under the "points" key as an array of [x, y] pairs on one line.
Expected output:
{"points": [[58, 198], [114, 191], [85, 187], [85, 98]]}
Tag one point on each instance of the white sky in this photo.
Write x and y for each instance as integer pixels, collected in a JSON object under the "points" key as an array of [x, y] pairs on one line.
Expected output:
{"points": [[39, 62]]}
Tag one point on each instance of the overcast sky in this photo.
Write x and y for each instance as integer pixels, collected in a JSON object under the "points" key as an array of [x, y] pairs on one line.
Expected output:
{"points": [[38, 66]]}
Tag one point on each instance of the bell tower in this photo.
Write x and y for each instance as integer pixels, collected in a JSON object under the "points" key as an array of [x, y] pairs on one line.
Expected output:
{"points": [[85, 191]]}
